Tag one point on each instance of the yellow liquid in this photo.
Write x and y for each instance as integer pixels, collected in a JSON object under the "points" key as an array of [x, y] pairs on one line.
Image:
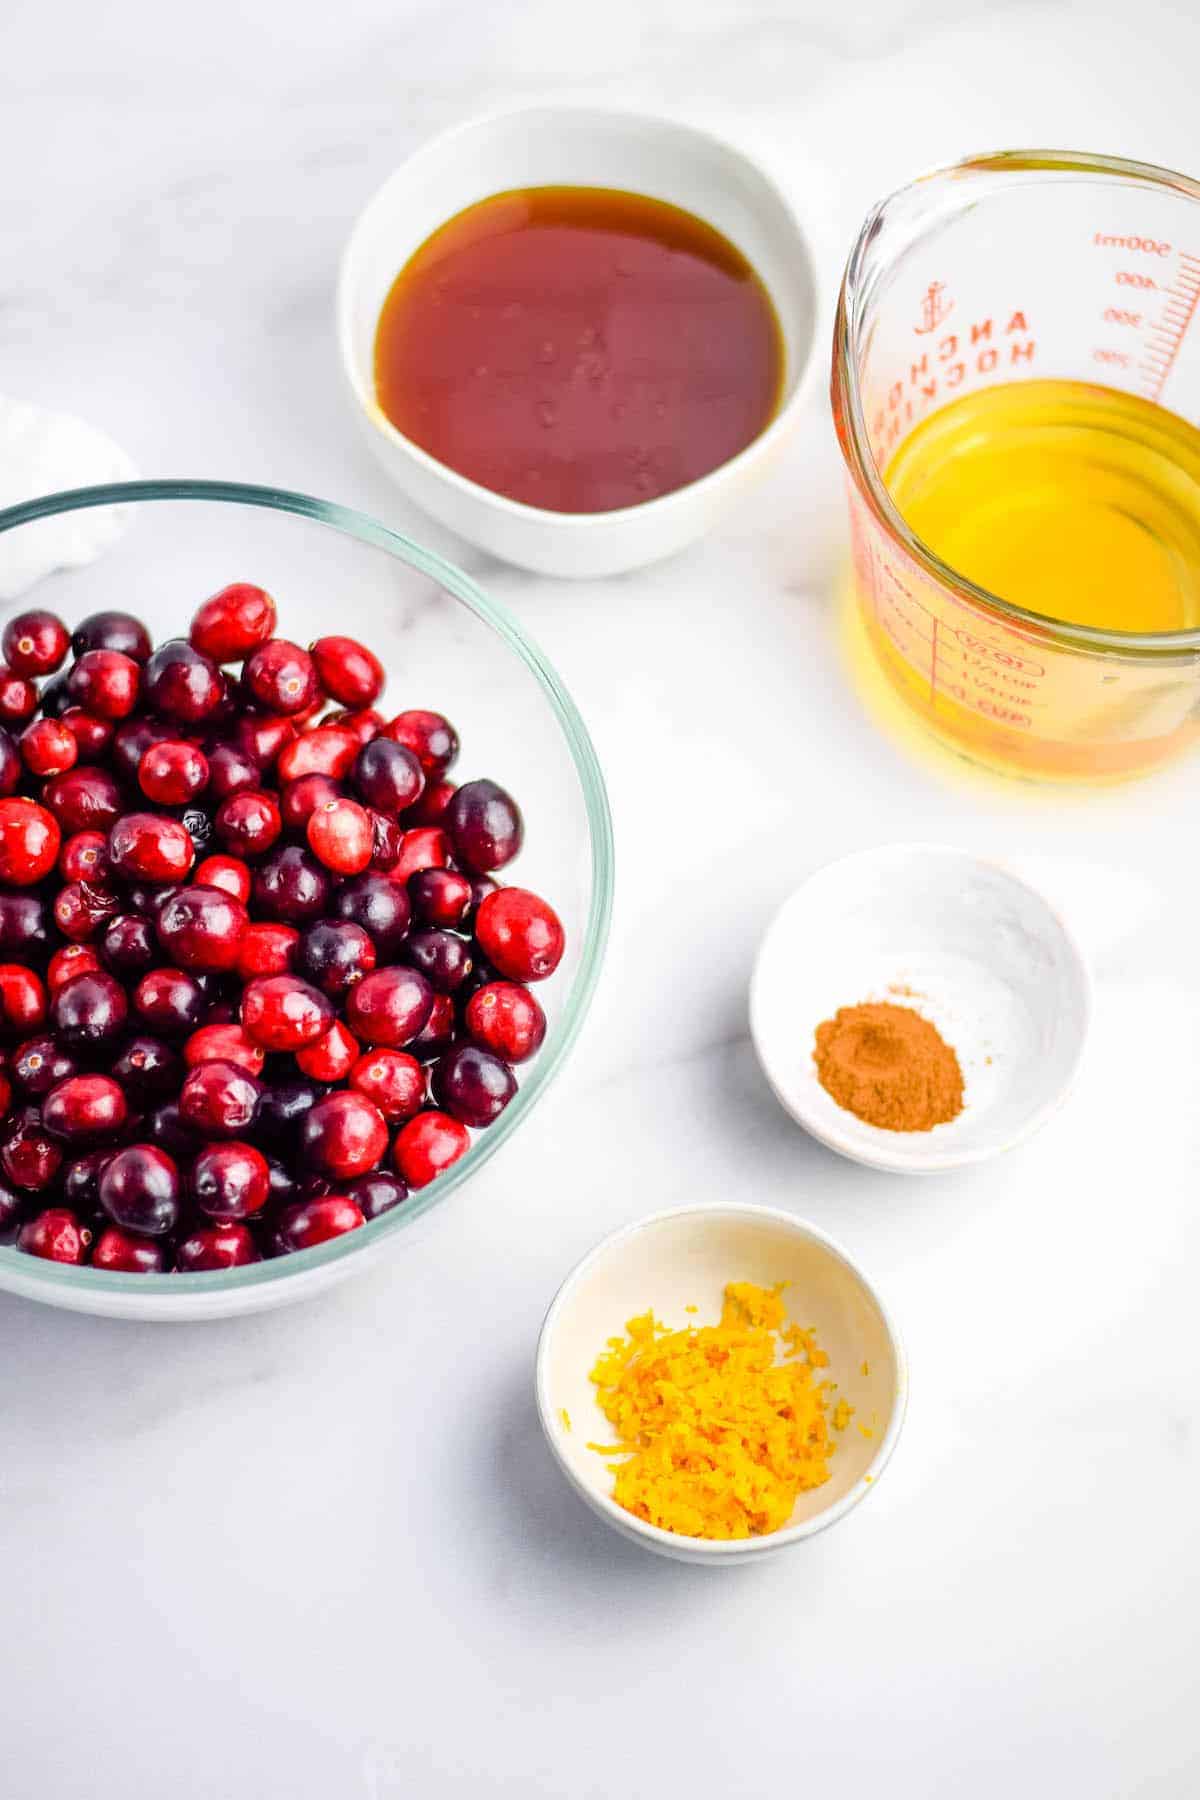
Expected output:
{"points": [[1073, 501]]}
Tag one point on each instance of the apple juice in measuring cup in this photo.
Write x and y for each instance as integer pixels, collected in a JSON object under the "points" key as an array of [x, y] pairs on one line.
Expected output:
{"points": [[1017, 397]]}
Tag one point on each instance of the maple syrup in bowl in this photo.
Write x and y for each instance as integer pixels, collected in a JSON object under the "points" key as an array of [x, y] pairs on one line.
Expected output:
{"points": [[574, 335]]}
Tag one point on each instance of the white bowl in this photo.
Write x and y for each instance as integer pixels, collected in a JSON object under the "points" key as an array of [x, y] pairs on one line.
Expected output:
{"points": [[962, 941], [591, 147], [674, 1260]]}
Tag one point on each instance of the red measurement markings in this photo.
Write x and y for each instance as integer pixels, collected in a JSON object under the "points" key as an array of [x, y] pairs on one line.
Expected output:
{"points": [[1164, 340]]}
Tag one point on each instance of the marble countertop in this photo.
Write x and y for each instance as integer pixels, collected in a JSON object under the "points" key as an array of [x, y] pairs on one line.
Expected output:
{"points": [[319, 1554]]}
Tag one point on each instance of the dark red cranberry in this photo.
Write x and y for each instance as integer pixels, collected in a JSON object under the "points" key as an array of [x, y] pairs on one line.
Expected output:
{"points": [[427, 1145], [84, 799], [332, 1057], [84, 1106], [147, 899], [505, 1018], [485, 826], [201, 928], [22, 1000], [376, 1193], [128, 945], [380, 906], [29, 841], [387, 775], [216, 1247], [263, 736], [219, 1100], [183, 684], [171, 772], [301, 798], [393, 1081], [437, 1033], [268, 949], [139, 1190], [230, 1181], [334, 954], [88, 1014], [25, 923], [442, 957], [431, 738], [169, 1131], [83, 907], [281, 677], [34, 643], [349, 672], [230, 771], [105, 683], [282, 1111], [389, 1007], [248, 823], [340, 836], [39, 1064], [312, 1222], [48, 747], [439, 897], [291, 885], [29, 1156], [126, 1254], [343, 1135], [55, 1234], [144, 846], [170, 1001], [281, 1012], [233, 622], [81, 1181], [520, 934], [10, 764], [147, 1068], [133, 738], [224, 1043], [19, 697], [93, 736], [473, 1085], [329, 750], [12, 1205], [112, 631]]}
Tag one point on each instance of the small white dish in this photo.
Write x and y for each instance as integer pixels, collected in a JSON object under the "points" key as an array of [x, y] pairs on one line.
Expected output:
{"points": [[673, 1260], [585, 147], [963, 942]]}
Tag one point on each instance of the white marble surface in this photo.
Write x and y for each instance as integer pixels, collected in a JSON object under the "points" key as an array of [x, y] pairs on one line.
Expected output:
{"points": [[324, 1553]]}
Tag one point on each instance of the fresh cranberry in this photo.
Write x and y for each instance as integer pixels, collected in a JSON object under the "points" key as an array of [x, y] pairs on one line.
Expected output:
{"points": [[389, 1007], [248, 823], [89, 1013], [34, 643], [29, 1156], [431, 738], [82, 907], [229, 873], [437, 1033], [343, 1135], [282, 1111], [340, 836], [520, 934], [485, 826], [168, 1130], [84, 1106], [84, 799], [145, 846], [131, 740], [139, 1190], [427, 847], [300, 799], [267, 950], [113, 631], [171, 772], [291, 885], [230, 1181], [127, 1254], [84, 857], [22, 999], [71, 960], [439, 897], [81, 1181], [329, 750], [365, 723], [231, 771], [332, 1057], [376, 1193], [223, 1043], [348, 671], [57, 1235], [472, 1084], [183, 684], [233, 622], [202, 928], [48, 747], [12, 1205], [128, 945], [393, 1081], [148, 1068], [92, 736], [281, 677], [312, 1222], [227, 1246], [334, 954], [219, 1100], [263, 736], [281, 1012], [170, 1001], [39, 1064], [442, 957], [29, 841], [427, 1145], [387, 775], [506, 1018], [11, 765], [105, 683], [25, 924], [18, 697]]}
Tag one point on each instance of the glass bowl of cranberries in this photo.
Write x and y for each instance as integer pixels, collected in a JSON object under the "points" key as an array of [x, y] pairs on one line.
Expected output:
{"points": [[305, 874]]}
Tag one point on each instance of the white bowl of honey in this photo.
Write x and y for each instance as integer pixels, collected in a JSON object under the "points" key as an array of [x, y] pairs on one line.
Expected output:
{"points": [[574, 335]]}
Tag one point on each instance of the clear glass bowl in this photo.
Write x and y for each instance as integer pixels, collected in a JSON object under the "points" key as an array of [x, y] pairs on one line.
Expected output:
{"points": [[445, 645]]}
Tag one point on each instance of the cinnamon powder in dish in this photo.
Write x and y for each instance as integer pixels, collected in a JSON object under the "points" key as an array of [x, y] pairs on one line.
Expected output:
{"points": [[889, 1067]]}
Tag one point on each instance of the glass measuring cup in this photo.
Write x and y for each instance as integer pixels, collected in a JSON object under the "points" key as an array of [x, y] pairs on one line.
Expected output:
{"points": [[1017, 266]]}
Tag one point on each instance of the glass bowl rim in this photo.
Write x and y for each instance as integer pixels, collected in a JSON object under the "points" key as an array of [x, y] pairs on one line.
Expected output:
{"points": [[364, 529]]}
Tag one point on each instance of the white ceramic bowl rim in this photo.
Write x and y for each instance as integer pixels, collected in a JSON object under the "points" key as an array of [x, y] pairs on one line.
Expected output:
{"points": [[720, 1550], [580, 523]]}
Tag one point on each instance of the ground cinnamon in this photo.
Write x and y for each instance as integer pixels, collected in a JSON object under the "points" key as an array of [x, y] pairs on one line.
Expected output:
{"points": [[889, 1066]]}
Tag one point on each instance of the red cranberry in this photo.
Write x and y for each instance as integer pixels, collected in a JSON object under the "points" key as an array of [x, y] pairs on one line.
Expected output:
{"points": [[267, 950], [55, 1234], [443, 958], [84, 1106], [223, 1043], [348, 671], [29, 1156], [92, 736], [380, 906], [112, 631], [387, 775], [329, 750], [83, 799], [219, 1100], [230, 1181], [389, 1007], [230, 771], [89, 1013], [128, 1255], [147, 1068], [332, 1057], [248, 823], [233, 623], [312, 1222], [202, 928], [105, 683], [82, 907], [11, 767], [340, 836], [365, 723], [485, 826], [507, 1019], [183, 684], [343, 1136], [263, 736], [39, 1064], [18, 697], [520, 934], [34, 643], [281, 1012], [229, 873], [216, 1247], [29, 841], [84, 857], [146, 846], [71, 960], [428, 847], [439, 897], [22, 999], [48, 747], [437, 1033], [427, 1145], [291, 885], [376, 1193], [392, 1081], [169, 1001], [139, 1190], [301, 798], [431, 738], [171, 772], [281, 677], [473, 1085]]}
